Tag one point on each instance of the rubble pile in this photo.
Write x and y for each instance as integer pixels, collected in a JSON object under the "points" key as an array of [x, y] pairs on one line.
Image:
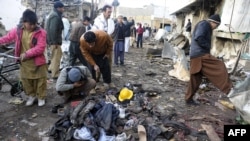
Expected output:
{"points": [[111, 116]]}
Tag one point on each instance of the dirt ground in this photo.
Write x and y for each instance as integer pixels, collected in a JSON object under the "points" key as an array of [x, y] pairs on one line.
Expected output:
{"points": [[21, 123]]}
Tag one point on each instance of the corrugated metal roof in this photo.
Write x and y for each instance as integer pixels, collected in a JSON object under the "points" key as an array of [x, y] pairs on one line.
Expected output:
{"points": [[188, 7]]}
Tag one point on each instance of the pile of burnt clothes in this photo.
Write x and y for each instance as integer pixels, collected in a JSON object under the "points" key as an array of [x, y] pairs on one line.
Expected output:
{"points": [[87, 121], [95, 119]]}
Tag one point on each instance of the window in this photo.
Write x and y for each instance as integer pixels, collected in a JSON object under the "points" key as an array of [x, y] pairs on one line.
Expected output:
{"points": [[85, 13]]}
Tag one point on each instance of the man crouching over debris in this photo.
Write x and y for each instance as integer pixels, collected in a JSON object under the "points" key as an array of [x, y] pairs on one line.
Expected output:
{"points": [[74, 81], [202, 63], [96, 46]]}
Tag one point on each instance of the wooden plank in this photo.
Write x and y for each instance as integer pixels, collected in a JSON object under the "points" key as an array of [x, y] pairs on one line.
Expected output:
{"points": [[210, 132]]}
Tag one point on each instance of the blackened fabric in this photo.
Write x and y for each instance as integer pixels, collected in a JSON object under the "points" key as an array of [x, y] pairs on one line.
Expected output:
{"points": [[106, 116]]}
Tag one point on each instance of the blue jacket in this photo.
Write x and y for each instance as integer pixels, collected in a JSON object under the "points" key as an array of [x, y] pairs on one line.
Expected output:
{"points": [[201, 39]]}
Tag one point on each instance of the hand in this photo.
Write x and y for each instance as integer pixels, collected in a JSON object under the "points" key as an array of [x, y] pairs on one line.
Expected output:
{"points": [[23, 57], [97, 69], [105, 56], [78, 84]]}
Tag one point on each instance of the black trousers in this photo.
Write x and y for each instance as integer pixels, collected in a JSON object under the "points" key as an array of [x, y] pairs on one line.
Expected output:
{"points": [[104, 66]]}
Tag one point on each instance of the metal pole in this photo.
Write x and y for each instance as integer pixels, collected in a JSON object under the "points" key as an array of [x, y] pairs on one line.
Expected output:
{"points": [[163, 22], [36, 6]]}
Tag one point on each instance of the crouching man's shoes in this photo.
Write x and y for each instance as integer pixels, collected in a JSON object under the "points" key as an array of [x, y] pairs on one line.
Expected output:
{"points": [[192, 102]]}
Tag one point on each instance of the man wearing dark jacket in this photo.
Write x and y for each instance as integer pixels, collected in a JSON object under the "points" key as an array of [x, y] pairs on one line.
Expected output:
{"points": [[202, 63], [119, 38], [188, 26], [188, 30], [128, 25], [74, 48], [54, 27]]}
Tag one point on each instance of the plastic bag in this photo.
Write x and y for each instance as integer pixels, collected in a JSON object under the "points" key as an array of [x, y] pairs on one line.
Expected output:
{"points": [[104, 137], [83, 134], [241, 102], [240, 97]]}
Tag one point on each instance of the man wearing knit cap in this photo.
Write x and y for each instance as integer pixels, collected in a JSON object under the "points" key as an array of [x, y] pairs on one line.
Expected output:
{"points": [[202, 63], [74, 81], [54, 28]]}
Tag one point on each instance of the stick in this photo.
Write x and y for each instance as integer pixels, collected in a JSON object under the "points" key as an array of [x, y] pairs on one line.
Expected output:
{"points": [[210, 132], [237, 60]]}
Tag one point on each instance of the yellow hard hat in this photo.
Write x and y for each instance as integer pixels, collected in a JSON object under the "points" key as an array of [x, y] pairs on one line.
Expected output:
{"points": [[125, 93]]}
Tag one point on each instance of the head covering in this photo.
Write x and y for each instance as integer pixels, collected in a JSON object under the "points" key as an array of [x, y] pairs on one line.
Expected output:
{"points": [[74, 75], [125, 94], [58, 4], [215, 18], [29, 16]]}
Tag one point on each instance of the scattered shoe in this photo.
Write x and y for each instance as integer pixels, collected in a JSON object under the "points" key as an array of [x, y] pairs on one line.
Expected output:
{"points": [[115, 65], [111, 85], [99, 88], [56, 107], [93, 91], [89, 106], [192, 102], [106, 86], [30, 101], [142, 133], [121, 137], [41, 102]]}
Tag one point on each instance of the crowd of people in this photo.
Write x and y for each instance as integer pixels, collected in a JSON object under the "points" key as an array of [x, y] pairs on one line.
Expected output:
{"points": [[93, 45], [98, 47]]}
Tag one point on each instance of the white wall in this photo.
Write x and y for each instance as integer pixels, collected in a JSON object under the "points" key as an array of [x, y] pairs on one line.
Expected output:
{"points": [[11, 12]]}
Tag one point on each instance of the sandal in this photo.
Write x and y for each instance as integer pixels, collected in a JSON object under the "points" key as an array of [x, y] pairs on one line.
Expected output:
{"points": [[142, 133]]}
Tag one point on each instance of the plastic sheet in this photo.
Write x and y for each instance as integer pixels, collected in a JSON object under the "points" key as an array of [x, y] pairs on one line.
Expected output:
{"points": [[83, 134], [240, 98]]}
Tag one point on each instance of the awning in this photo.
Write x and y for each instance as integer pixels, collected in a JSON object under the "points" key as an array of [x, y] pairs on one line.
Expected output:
{"points": [[188, 7]]}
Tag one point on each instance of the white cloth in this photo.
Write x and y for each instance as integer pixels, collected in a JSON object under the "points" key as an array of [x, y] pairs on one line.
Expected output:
{"points": [[102, 24], [83, 134], [64, 62], [87, 27], [127, 43], [66, 27]]}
